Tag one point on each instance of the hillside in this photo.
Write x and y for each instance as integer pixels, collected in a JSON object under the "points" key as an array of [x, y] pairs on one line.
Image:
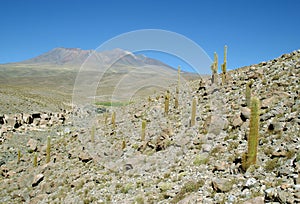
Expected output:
{"points": [[94, 160]]}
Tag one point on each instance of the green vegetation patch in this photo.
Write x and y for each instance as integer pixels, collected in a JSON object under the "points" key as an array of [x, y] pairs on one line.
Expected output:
{"points": [[114, 104]]}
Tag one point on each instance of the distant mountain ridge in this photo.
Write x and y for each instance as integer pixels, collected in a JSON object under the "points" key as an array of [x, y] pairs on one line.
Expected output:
{"points": [[77, 56]]}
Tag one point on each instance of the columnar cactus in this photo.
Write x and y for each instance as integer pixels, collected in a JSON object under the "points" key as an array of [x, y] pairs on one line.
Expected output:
{"points": [[250, 157], [19, 156], [113, 119], [35, 159], [248, 93], [48, 149], [167, 102], [176, 103], [193, 115], [214, 68], [93, 130], [143, 135], [224, 65]]}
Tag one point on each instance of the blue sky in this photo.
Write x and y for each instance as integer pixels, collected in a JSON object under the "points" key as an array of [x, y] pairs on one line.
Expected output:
{"points": [[255, 31]]}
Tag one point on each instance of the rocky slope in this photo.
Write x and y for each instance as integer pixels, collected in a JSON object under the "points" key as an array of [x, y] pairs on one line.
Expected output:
{"points": [[94, 161]]}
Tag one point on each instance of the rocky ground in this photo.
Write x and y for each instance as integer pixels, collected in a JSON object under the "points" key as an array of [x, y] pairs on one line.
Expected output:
{"points": [[94, 161]]}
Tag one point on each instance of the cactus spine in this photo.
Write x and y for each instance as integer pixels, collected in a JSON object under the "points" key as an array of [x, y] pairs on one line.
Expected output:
{"points": [[250, 157], [143, 135], [193, 116], [224, 65], [48, 149]]}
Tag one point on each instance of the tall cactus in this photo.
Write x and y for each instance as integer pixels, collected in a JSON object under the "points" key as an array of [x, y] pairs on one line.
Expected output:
{"points": [[214, 68], [93, 130], [176, 103], [193, 115], [250, 157], [224, 65], [35, 159], [48, 149], [19, 156], [143, 134], [167, 102], [113, 120], [248, 93]]}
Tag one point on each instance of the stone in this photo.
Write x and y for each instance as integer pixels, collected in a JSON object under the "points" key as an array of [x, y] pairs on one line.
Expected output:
{"points": [[32, 144], [222, 185], [250, 182], [245, 113], [237, 121], [84, 157], [256, 200], [27, 118], [37, 180], [216, 125], [206, 147]]}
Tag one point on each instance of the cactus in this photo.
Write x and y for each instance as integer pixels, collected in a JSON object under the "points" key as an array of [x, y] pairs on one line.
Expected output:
{"points": [[193, 116], [35, 159], [176, 103], [123, 144], [48, 149], [93, 130], [19, 156], [113, 120], [105, 118], [224, 66], [248, 93], [214, 68], [167, 102], [143, 135], [250, 157]]}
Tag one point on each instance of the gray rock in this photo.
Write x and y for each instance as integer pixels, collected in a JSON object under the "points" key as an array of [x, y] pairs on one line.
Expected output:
{"points": [[206, 147], [250, 182], [256, 200], [222, 185], [245, 113], [37, 180], [84, 157], [32, 145], [237, 121]]}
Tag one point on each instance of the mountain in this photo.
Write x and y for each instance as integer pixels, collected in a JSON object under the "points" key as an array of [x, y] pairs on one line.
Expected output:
{"points": [[64, 73], [76, 57]]}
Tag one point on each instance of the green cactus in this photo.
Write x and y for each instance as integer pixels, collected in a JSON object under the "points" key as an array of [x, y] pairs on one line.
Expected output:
{"points": [[167, 102], [19, 156], [193, 116], [176, 103], [93, 130], [143, 135], [123, 144], [48, 149], [250, 157], [35, 159], [113, 120], [248, 93], [214, 68], [224, 66]]}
